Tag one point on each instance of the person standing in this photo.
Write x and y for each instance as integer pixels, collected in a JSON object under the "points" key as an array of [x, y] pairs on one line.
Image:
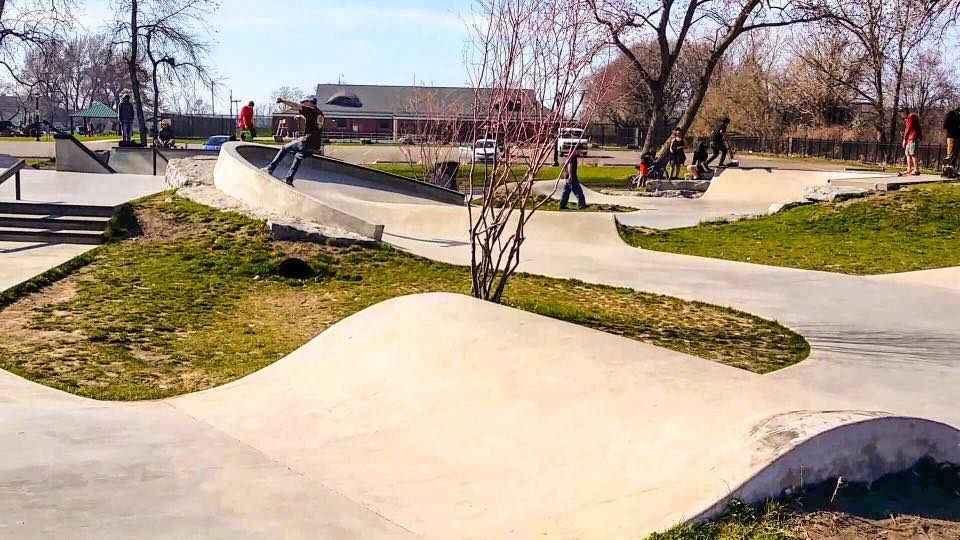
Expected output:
{"points": [[951, 125], [719, 143], [912, 134], [246, 121], [677, 156], [126, 119], [311, 142], [573, 181]]}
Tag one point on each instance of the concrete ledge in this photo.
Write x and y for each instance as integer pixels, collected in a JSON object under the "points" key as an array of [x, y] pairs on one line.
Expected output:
{"points": [[235, 176], [132, 160], [894, 182], [386, 181]]}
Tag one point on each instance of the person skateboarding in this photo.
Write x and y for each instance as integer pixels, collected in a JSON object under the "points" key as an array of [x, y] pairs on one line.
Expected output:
{"points": [[245, 122], [311, 142], [720, 144]]}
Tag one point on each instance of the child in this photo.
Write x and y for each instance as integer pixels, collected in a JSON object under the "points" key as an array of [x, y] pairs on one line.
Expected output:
{"points": [[677, 155], [643, 170]]}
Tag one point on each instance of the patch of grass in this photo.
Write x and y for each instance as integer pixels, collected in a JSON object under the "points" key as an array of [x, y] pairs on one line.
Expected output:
{"points": [[589, 174], [740, 521], [922, 501], [550, 204], [198, 300], [916, 228]]}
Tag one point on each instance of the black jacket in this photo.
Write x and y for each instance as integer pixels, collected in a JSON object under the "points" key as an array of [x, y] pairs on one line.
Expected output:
{"points": [[951, 124], [126, 112]]}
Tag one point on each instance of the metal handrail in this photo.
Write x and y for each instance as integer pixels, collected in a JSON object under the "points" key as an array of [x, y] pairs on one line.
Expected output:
{"points": [[14, 170]]}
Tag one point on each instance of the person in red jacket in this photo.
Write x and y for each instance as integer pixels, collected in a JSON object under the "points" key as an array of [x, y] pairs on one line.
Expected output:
{"points": [[246, 121], [912, 134]]}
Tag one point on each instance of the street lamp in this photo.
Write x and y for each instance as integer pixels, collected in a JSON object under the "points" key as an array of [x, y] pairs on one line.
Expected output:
{"points": [[36, 116]]}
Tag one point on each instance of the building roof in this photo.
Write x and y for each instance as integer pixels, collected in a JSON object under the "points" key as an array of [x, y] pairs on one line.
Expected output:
{"points": [[97, 110], [376, 101]]}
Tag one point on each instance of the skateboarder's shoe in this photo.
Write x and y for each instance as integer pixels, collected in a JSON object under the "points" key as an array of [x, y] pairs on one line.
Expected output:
{"points": [[267, 170], [289, 181]]}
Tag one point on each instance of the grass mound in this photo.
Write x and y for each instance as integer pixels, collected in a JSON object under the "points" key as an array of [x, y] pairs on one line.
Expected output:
{"points": [[204, 297], [916, 228]]}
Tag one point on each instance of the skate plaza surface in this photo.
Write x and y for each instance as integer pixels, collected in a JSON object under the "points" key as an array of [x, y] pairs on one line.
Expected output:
{"points": [[438, 415]]}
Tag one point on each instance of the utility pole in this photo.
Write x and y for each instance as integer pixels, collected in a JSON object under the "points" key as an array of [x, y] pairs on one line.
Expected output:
{"points": [[36, 116], [232, 101], [213, 108]]}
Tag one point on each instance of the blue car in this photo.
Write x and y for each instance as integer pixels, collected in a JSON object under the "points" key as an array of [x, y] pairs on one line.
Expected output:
{"points": [[215, 142]]}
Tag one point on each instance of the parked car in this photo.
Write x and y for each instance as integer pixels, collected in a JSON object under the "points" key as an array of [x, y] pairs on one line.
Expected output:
{"points": [[487, 150], [571, 138], [215, 142]]}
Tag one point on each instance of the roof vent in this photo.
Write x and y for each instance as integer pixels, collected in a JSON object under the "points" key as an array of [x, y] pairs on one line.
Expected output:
{"points": [[344, 99]]}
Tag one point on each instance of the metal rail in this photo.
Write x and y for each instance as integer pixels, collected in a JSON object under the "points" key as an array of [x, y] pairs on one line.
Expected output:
{"points": [[14, 171]]}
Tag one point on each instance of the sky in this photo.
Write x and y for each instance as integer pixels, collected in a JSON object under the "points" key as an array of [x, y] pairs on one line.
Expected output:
{"points": [[261, 45]]}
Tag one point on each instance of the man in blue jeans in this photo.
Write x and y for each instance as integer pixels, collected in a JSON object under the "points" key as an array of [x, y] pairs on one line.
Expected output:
{"points": [[573, 182], [311, 142], [126, 118]]}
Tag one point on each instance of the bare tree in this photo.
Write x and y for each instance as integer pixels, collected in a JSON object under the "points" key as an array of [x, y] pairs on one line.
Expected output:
{"points": [[439, 126], [173, 47], [883, 37], [286, 92], [625, 99], [930, 87], [528, 62], [672, 26], [168, 36], [28, 27], [187, 92]]}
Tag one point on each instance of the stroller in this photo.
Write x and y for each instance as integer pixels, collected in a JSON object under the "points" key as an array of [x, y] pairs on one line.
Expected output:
{"points": [[650, 168]]}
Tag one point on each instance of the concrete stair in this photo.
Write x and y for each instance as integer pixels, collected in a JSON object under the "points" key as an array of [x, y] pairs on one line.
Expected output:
{"points": [[53, 223]]}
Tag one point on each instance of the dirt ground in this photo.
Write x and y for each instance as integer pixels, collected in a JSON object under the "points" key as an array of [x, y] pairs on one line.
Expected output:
{"points": [[843, 526]]}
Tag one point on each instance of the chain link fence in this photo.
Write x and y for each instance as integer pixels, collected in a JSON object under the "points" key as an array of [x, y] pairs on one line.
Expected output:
{"points": [[868, 152]]}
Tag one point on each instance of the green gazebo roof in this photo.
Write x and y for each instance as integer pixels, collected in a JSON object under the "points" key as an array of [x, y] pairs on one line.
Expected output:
{"points": [[97, 110]]}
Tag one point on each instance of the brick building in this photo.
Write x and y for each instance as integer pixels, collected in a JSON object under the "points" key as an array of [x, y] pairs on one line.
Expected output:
{"points": [[391, 112]]}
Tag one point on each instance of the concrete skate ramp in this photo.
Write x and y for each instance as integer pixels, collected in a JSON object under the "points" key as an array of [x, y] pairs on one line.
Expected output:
{"points": [[770, 186], [477, 433], [355, 180], [237, 177], [131, 160], [73, 156]]}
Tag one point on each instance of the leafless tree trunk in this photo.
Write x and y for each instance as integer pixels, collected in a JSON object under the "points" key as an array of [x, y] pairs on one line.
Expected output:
{"points": [[529, 60], [167, 33]]}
